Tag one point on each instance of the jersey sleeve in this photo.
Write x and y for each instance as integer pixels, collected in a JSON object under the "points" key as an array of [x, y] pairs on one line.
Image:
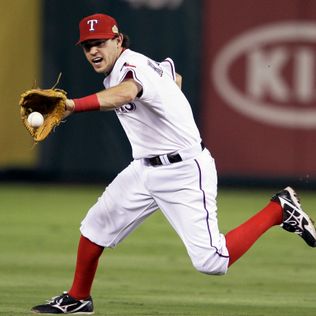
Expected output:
{"points": [[168, 67], [130, 71], [148, 73]]}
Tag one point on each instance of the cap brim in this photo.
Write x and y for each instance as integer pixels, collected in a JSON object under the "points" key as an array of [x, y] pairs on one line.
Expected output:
{"points": [[95, 37]]}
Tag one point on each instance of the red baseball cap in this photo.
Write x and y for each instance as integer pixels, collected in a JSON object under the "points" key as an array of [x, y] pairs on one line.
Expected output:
{"points": [[97, 26]]}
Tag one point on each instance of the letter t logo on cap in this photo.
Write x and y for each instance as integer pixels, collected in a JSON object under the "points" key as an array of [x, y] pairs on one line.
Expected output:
{"points": [[91, 23], [97, 26]]}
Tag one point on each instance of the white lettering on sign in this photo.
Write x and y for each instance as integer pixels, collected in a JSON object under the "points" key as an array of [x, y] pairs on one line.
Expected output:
{"points": [[304, 75], [92, 23], [280, 62], [264, 74]]}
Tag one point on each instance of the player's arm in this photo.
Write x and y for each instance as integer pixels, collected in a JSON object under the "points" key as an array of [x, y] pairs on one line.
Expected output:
{"points": [[106, 100], [179, 80]]}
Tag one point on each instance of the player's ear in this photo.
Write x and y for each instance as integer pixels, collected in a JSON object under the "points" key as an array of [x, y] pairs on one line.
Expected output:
{"points": [[119, 39]]}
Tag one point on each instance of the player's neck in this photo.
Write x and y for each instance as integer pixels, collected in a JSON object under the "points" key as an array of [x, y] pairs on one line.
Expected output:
{"points": [[120, 53]]}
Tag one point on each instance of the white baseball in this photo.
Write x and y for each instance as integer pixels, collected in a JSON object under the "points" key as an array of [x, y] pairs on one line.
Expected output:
{"points": [[35, 119]]}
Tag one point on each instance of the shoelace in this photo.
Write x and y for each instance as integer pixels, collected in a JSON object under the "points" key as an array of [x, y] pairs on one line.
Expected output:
{"points": [[295, 220], [54, 300]]}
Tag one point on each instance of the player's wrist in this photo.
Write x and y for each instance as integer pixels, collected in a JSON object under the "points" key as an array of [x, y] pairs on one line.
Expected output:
{"points": [[70, 105], [88, 103]]}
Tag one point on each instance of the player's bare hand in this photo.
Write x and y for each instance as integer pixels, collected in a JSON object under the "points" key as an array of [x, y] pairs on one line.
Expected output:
{"points": [[70, 106]]}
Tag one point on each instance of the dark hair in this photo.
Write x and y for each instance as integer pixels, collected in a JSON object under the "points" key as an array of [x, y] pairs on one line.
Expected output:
{"points": [[126, 41]]}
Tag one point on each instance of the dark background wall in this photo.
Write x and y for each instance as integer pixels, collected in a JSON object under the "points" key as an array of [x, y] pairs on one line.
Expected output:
{"points": [[249, 73]]}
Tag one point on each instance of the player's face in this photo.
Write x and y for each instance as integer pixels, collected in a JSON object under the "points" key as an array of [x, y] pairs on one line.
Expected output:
{"points": [[102, 54]]}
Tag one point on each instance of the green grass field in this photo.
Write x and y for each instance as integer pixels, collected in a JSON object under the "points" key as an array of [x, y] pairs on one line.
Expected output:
{"points": [[150, 272]]}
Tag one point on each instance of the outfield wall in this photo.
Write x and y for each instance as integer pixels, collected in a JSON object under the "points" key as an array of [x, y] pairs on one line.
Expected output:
{"points": [[248, 69], [20, 67], [258, 110]]}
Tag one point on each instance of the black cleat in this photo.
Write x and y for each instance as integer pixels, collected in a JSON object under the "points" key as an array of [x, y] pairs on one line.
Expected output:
{"points": [[65, 304], [295, 220]]}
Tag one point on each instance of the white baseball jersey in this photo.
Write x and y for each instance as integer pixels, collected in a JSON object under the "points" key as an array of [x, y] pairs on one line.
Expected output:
{"points": [[160, 121]]}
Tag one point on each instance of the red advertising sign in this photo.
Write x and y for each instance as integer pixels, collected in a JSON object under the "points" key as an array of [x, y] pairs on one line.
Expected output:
{"points": [[259, 87]]}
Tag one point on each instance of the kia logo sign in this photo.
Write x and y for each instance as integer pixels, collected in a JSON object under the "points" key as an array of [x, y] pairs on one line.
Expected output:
{"points": [[279, 68]]}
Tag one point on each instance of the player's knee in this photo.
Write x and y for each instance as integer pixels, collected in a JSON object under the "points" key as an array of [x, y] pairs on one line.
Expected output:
{"points": [[209, 270], [211, 266]]}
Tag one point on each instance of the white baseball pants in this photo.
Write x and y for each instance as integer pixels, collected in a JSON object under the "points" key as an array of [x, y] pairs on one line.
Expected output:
{"points": [[185, 192]]}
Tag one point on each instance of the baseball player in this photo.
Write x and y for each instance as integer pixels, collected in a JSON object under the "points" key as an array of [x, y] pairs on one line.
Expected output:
{"points": [[171, 169]]}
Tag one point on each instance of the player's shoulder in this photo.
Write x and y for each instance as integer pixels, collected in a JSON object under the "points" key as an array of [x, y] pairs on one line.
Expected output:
{"points": [[129, 60], [131, 57], [134, 61]]}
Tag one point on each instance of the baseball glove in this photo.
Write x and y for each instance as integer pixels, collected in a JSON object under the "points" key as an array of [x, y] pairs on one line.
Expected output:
{"points": [[51, 103]]}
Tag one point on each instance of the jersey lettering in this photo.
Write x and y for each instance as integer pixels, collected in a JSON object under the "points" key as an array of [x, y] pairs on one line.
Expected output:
{"points": [[155, 68], [126, 108]]}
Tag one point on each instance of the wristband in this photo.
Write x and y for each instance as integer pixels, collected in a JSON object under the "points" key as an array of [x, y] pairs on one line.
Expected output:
{"points": [[89, 103]]}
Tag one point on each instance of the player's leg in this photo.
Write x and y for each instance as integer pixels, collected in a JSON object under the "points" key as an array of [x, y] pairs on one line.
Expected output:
{"points": [[78, 299], [122, 207], [88, 255], [194, 218], [285, 210], [189, 204], [240, 239]]}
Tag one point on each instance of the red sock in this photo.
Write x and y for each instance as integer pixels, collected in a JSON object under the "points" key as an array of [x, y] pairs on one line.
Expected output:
{"points": [[240, 239], [87, 262]]}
